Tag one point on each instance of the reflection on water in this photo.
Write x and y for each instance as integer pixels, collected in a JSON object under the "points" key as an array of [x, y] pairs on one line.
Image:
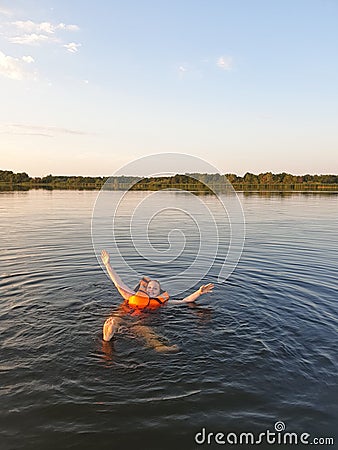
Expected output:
{"points": [[287, 194], [262, 347]]}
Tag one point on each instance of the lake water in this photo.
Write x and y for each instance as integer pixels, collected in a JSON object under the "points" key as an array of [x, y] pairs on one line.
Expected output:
{"points": [[261, 348]]}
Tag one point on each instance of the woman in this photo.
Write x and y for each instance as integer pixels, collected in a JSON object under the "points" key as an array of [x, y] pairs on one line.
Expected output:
{"points": [[147, 295]]}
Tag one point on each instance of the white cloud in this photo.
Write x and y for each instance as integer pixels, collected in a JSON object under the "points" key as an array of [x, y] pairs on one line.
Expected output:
{"points": [[14, 69], [72, 47], [182, 69], [27, 32], [32, 39], [29, 26], [5, 11], [69, 27], [225, 62], [37, 130], [28, 59]]}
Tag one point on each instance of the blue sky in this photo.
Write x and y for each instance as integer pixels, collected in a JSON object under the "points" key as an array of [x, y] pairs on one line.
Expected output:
{"points": [[250, 86]]}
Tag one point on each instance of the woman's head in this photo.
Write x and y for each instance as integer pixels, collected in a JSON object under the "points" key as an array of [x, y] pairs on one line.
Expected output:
{"points": [[153, 288]]}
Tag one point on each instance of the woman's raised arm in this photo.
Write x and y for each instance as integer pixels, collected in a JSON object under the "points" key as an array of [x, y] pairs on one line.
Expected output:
{"points": [[123, 289]]}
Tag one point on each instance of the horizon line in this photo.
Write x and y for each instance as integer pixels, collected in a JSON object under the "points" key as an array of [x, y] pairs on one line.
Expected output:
{"points": [[185, 173]]}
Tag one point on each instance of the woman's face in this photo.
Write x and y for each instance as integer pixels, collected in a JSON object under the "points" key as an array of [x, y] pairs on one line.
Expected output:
{"points": [[153, 289]]}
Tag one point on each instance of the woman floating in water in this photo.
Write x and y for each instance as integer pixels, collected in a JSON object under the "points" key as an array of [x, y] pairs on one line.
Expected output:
{"points": [[147, 295]]}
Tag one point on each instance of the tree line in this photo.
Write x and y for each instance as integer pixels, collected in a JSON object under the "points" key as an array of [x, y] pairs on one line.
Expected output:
{"points": [[188, 181]]}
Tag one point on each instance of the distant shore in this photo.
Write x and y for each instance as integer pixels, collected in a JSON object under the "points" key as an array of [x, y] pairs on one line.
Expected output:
{"points": [[194, 182]]}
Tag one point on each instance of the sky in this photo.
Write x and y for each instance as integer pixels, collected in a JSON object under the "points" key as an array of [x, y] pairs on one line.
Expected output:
{"points": [[248, 85]]}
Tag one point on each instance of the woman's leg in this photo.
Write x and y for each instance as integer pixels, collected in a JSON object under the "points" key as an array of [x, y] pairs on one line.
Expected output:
{"points": [[152, 339], [113, 323]]}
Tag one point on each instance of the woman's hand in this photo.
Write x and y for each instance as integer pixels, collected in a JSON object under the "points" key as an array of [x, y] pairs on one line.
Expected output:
{"points": [[194, 296], [105, 257], [206, 288]]}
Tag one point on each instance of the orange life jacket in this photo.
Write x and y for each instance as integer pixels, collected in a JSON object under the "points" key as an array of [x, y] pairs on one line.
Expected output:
{"points": [[142, 300]]}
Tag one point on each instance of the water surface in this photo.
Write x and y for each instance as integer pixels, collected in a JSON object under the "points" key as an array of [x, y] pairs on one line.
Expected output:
{"points": [[261, 348]]}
